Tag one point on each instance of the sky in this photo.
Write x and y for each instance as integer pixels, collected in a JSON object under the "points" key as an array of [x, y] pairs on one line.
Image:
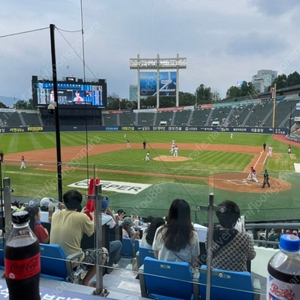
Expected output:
{"points": [[224, 41]]}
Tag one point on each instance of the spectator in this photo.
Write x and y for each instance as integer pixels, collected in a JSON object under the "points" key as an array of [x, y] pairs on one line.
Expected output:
{"points": [[35, 224], [230, 249], [177, 240], [274, 236], [128, 230], [121, 214], [148, 235], [114, 246], [67, 229]]}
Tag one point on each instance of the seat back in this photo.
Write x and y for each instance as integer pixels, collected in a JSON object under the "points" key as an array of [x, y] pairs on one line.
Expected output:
{"points": [[227, 285], [164, 279], [53, 262], [127, 248], [145, 252], [136, 245]]}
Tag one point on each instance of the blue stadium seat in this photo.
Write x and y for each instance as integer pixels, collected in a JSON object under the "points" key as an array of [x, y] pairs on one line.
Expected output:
{"points": [[136, 245], [143, 253], [166, 280], [2, 254], [229, 285], [55, 264], [127, 248]]}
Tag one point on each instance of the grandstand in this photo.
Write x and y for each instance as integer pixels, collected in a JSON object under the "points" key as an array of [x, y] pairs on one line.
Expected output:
{"points": [[111, 120], [259, 113], [221, 115], [165, 116], [31, 118], [199, 117], [240, 114], [145, 119], [10, 119], [182, 118], [127, 119]]}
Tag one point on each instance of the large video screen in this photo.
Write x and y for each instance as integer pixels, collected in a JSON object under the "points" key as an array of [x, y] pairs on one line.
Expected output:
{"points": [[70, 94], [167, 83]]}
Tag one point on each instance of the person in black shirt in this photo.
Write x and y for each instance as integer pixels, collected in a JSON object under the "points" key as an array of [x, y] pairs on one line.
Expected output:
{"points": [[266, 179], [264, 146], [144, 144]]}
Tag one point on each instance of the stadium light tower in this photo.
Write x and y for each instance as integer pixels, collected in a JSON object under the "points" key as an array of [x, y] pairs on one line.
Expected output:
{"points": [[161, 84]]}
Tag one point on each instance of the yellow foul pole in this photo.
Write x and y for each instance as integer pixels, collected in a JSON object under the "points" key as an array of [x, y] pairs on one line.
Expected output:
{"points": [[274, 106]]}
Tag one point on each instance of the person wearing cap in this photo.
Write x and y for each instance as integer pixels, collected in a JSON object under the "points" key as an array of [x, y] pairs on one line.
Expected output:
{"points": [[114, 246], [68, 227], [128, 229]]}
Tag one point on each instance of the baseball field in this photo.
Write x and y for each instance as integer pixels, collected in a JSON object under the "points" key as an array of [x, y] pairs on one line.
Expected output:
{"points": [[207, 162]]}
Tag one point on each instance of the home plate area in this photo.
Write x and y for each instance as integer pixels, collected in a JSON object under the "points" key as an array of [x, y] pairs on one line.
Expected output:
{"points": [[238, 182]]}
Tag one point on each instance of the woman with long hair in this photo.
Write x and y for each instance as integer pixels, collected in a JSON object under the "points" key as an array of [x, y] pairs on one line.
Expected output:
{"points": [[177, 240], [35, 224], [148, 235]]}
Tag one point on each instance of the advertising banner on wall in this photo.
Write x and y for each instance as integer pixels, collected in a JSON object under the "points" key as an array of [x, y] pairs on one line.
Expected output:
{"points": [[167, 83]]}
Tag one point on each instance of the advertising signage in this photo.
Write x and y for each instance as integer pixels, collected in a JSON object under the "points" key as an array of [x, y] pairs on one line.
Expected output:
{"points": [[167, 83]]}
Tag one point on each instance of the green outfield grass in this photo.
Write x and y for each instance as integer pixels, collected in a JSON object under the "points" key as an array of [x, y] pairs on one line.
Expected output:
{"points": [[36, 183]]}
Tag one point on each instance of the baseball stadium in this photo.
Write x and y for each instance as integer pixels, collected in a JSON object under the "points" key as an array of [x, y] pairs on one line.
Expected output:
{"points": [[212, 162]]}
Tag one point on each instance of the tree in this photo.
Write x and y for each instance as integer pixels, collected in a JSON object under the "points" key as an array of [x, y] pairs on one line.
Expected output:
{"points": [[204, 94], [2, 105], [215, 96], [293, 79], [233, 92], [280, 81], [247, 89], [186, 99], [21, 104]]}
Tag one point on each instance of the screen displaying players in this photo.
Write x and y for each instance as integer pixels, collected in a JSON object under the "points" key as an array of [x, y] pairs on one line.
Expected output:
{"points": [[70, 94]]}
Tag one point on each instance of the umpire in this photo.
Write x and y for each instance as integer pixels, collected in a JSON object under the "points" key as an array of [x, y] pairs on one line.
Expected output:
{"points": [[266, 179]]}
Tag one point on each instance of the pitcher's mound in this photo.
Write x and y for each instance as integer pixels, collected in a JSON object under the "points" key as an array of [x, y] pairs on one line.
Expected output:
{"points": [[171, 158]]}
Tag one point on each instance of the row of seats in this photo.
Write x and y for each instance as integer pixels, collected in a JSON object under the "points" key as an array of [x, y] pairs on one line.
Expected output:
{"points": [[176, 280]]}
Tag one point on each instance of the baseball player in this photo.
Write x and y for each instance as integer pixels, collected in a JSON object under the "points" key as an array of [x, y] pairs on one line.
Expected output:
{"points": [[231, 135], [147, 158], [175, 151], [270, 151], [173, 142], [128, 144], [253, 174], [289, 149], [23, 163], [172, 149]]}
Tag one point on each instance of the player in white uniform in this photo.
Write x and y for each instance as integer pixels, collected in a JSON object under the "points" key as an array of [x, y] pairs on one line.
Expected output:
{"points": [[175, 151], [147, 158], [270, 151]]}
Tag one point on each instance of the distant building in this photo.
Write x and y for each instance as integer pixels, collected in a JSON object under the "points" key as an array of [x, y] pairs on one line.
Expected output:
{"points": [[263, 79], [133, 92]]}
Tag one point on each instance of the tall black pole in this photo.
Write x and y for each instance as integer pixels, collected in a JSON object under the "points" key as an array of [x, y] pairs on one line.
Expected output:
{"points": [[57, 128]]}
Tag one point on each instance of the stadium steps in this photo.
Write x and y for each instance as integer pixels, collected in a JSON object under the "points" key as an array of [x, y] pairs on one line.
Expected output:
{"points": [[209, 117], [263, 122], [21, 119], [173, 118], [190, 118], [248, 116], [287, 117], [229, 115]]}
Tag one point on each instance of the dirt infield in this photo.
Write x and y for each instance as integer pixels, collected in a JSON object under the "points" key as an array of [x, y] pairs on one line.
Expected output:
{"points": [[227, 181]]}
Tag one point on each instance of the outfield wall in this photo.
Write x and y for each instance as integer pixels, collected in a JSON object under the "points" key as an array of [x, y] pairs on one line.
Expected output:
{"points": [[282, 131]]}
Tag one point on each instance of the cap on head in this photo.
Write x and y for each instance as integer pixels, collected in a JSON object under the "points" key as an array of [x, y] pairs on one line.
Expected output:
{"points": [[44, 204], [128, 221], [105, 202]]}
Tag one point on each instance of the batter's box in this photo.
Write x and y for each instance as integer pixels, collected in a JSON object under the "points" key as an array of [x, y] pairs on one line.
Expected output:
{"points": [[238, 181]]}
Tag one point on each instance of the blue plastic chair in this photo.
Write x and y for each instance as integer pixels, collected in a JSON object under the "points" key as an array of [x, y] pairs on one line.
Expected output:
{"points": [[2, 254], [136, 245], [166, 280], [229, 285], [145, 252], [127, 248], [55, 264]]}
